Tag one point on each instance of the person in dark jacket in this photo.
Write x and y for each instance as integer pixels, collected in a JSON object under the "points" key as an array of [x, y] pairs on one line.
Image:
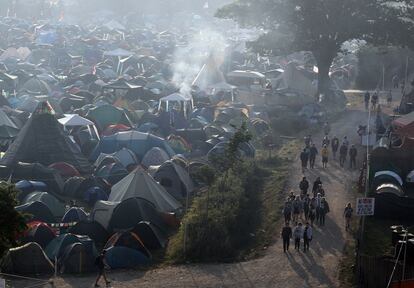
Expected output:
{"points": [[343, 151], [352, 156], [286, 236], [316, 184], [312, 155], [304, 186], [324, 209], [100, 264], [304, 157], [307, 237], [335, 146], [367, 97]]}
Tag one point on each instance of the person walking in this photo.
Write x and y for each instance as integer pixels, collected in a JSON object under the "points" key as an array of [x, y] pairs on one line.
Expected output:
{"points": [[374, 100], [100, 264], [287, 210], [286, 236], [297, 208], [318, 200], [306, 206], [343, 151], [312, 210], [308, 140], [298, 235], [312, 156], [395, 81], [307, 236], [325, 154], [324, 209], [316, 185], [304, 186], [325, 141], [335, 146], [389, 98], [304, 156], [352, 156], [348, 216], [367, 97]]}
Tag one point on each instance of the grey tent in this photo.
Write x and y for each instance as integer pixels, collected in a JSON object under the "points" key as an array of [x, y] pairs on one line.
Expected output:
{"points": [[175, 179], [56, 207], [76, 259], [42, 140], [29, 259], [139, 184], [102, 212]]}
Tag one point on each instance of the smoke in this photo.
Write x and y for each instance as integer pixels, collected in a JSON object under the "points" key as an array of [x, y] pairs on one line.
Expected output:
{"points": [[189, 60]]}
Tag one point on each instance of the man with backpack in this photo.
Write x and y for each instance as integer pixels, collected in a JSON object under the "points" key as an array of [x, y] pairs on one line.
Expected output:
{"points": [[100, 264], [286, 235], [307, 237]]}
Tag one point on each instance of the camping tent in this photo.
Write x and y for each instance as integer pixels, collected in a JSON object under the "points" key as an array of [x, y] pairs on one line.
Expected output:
{"points": [[106, 115], [40, 233], [152, 237], [72, 120], [36, 211], [130, 212], [42, 140], [127, 239], [175, 179], [123, 257], [137, 142], [76, 259], [93, 230], [74, 214], [56, 207], [102, 212], [154, 157], [57, 246], [139, 184], [29, 259]]}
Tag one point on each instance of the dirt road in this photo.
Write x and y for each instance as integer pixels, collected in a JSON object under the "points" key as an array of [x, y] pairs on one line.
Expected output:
{"points": [[317, 268]]}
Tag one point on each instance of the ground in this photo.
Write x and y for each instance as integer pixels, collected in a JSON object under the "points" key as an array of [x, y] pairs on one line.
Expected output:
{"points": [[317, 268]]}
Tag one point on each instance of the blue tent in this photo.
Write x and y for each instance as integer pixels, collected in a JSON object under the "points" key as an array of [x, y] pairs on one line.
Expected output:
{"points": [[122, 257], [138, 142], [31, 186], [74, 214], [94, 194]]}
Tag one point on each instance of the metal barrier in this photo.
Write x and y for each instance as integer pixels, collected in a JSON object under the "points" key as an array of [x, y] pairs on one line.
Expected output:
{"points": [[17, 281]]}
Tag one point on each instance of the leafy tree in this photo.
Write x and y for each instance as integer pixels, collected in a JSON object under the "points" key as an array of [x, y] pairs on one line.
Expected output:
{"points": [[318, 26], [11, 221]]}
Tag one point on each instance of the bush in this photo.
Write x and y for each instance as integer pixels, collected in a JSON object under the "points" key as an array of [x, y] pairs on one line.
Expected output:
{"points": [[220, 222]]}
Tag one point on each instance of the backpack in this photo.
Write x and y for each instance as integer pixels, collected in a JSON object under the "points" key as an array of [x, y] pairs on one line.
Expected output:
{"points": [[348, 213]]}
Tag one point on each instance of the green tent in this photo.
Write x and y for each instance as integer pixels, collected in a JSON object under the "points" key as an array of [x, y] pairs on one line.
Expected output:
{"points": [[56, 247], [106, 115]]}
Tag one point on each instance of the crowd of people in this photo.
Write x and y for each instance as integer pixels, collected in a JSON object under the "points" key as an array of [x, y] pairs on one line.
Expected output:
{"points": [[311, 206]]}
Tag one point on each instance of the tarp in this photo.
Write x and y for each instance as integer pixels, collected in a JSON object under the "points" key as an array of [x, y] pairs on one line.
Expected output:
{"points": [[29, 259], [139, 184], [43, 140]]}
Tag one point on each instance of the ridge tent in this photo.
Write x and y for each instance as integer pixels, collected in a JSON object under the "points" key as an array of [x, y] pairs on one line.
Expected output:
{"points": [[130, 212], [42, 140], [74, 214], [175, 179], [93, 230], [139, 184], [29, 259], [56, 207], [36, 211], [137, 142]]}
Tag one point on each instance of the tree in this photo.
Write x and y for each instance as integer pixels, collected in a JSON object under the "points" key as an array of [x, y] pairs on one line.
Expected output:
{"points": [[11, 222], [318, 26]]}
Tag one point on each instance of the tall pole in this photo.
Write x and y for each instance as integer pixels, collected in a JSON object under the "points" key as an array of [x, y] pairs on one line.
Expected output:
{"points": [[383, 77], [405, 253], [406, 74]]}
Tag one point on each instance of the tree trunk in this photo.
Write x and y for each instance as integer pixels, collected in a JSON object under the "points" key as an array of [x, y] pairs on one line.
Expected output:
{"points": [[324, 59]]}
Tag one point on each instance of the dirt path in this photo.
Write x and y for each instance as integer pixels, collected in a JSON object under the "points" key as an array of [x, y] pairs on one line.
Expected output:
{"points": [[317, 268]]}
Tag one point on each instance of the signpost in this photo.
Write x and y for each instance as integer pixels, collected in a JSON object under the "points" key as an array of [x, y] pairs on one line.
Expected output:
{"points": [[365, 206]]}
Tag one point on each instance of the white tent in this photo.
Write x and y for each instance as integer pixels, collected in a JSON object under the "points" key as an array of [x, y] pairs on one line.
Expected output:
{"points": [[140, 184], [187, 102], [74, 120]]}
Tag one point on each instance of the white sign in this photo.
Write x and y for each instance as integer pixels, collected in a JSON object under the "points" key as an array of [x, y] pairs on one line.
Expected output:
{"points": [[2, 283], [365, 206]]}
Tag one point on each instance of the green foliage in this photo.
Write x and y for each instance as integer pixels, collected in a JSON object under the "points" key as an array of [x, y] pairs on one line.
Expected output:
{"points": [[220, 222], [318, 26], [11, 221]]}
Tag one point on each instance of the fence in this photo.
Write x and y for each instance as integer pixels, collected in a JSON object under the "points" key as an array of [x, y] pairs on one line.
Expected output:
{"points": [[375, 272]]}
